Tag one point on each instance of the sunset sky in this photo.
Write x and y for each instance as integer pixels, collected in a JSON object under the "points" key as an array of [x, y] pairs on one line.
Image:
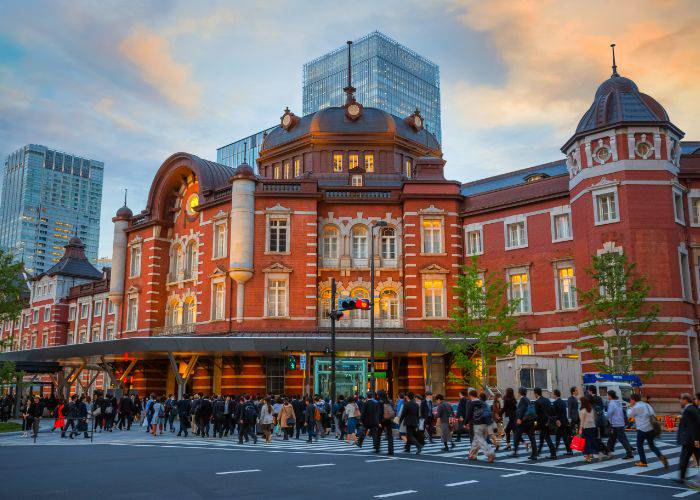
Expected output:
{"points": [[130, 83]]}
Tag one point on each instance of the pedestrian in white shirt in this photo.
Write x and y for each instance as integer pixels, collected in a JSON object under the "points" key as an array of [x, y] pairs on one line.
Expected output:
{"points": [[644, 417]]}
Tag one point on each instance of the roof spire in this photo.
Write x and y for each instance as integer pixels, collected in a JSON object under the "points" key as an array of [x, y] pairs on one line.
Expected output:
{"points": [[349, 90], [614, 66], [126, 190]]}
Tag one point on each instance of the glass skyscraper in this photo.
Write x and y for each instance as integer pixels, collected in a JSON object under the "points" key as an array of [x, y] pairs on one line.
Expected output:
{"points": [[243, 149], [386, 74], [47, 197]]}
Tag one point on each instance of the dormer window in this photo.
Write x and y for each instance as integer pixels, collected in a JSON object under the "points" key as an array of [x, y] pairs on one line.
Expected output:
{"points": [[357, 180], [535, 177]]}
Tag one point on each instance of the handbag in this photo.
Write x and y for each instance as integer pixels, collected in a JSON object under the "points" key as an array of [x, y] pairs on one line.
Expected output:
{"points": [[656, 427], [291, 421], [97, 411], [578, 443]]}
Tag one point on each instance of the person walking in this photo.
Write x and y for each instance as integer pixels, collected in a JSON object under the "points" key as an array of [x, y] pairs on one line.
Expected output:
{"points": [[184, 412], [171, 412], [310, 412], [644, 418], [600, 419], [70, 411], [286, 419], [525, 416], [386, 425], [462, 407], [298, 406], [444, 414], [247, 417], [509, 406], [561, 422], [616, 416], [480, 418], [371, 417], [81, 414], [267, 419], [426, 411], [410, 415], [60, 421], [351, 414], [158, 416], [588, 430], [126, 412], [543, 408], [688, 434], [497, 429], [35, 411]]}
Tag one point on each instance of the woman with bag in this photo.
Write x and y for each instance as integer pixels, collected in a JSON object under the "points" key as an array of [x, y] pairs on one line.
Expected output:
{"points": [[648, 428], [60, 422], [589, 431], [351, 414], [286, 419], [508, 411], [267, 419]]}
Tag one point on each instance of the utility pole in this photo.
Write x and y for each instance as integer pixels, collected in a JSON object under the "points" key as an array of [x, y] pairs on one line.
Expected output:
{"points": [[333, 315], [372, 380]]}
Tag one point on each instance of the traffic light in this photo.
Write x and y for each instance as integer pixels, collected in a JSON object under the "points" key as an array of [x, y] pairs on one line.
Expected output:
{"points": [[349, 303], [291, 362]]}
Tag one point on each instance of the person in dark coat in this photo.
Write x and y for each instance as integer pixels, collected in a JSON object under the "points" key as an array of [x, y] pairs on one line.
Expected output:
{"points": [[509, 405], [70, 412], [410, 418], [426, 411], [462, 408], [572, 408], [524, 425], [204, 417], [371, 418], [688, 436], [563, 427], [126, 412], [184, 411], [309, 414], [544, 411], [299, 415], [81, 416], [387, 414], [35, 412]]}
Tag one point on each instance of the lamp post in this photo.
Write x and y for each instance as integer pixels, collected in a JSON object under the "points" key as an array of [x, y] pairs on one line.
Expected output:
{"points": [[380, 224]]}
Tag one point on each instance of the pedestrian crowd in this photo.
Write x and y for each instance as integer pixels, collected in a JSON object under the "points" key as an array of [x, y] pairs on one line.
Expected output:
{"points": [[587, 423]]}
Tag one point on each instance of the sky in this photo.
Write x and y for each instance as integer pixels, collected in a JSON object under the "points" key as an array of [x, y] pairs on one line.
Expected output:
{"points": [[130, 83]]}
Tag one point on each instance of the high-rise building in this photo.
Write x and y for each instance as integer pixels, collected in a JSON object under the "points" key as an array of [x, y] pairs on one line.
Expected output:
{"points": [[385, 74], [47, 197], [246, 149]]}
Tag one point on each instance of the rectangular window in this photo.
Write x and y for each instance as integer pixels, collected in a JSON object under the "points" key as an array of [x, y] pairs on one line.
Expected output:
{"points": [[606, 207], [287, 169], [432, 236], [534, 377], [357, 180], [35, 316], [337, 163], [219, 301], [297, 167], [516, 235], [26, 321], [276, 298], [369, 162], [83, 311], [408, 168], [685, 274], [695, 211], [276, 172], [278, 235], [110, 307], [135, 262], [219, 240], [474, 243], [561, 225], [433, 298], [566, 287], [519, 291], [132, 311], [47, 313], [97, 309], [678, 212], [353, 161], [71, 313]]}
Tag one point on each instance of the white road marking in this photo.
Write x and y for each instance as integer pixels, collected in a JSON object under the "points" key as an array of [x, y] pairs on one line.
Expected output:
{"points": [[686, 493], [395, 494], [461, 483], [314, 465], [236, 472], [380, 460], [521, 473]]}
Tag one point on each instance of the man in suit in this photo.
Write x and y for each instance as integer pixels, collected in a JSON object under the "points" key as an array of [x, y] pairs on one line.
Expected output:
{"points": [[688, 436], [410, 416], [426, 411], [524, 425], [563, 429], [387, 414], [184, 409], [572, 410], [462, 407], [371, 417], [544, 411]]}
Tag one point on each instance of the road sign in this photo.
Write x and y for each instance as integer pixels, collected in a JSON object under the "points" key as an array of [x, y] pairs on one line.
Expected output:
{"points": [[302, 362]]}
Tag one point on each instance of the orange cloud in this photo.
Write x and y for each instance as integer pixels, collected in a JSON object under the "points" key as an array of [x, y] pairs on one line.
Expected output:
{"points": [[150, 53], [556, 54]]}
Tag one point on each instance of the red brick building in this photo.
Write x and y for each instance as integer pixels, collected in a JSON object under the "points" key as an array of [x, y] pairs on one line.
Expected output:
{"points": [[226, 273]]}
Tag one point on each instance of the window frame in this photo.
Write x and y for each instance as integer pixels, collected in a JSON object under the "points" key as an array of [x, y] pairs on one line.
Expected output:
{"points": [[598, 193], [217, 315], [269, 279], [337, 163], [391, 243], [297, 167], [132, 318], [277, 217], [554, 214], [513, 221], [219, 231], [356, 180], [559, 266], [325, 242], [84, 310], [443, 297], [469, 230], [353, 161], [368, 162], [134, 262], [425, 250], [97, 308], [354, 247], [685, 277], [513, 271], [678, 205]]}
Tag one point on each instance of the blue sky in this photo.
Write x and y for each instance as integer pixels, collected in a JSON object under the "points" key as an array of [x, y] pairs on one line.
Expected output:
{"points": [[130, 83]]}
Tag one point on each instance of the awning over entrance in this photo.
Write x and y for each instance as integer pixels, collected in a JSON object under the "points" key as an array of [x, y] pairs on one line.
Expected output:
{"points": [[160, 346]]}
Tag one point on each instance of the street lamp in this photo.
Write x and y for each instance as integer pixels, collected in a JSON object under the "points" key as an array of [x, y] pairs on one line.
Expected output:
{"points": [[380, 224]]}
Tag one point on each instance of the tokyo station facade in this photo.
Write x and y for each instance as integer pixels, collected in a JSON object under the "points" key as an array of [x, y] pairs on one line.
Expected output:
{"points": [[226, 272]]}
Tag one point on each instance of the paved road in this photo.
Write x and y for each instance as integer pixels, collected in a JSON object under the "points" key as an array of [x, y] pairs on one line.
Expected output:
{"points": [[134, 464]]}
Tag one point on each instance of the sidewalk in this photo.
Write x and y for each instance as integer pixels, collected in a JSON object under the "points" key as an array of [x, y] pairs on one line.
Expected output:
{"points": [[45, 425]]}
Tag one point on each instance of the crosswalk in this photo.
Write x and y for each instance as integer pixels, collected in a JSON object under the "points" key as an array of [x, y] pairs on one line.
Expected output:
{"points": [[330, 445]]}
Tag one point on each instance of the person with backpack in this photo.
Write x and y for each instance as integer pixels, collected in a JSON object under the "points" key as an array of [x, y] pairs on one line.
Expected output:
{"points": [[158, 416], [480, 418], [545, 422], [648, 428], [388, 413], [247, 418], [148, 412], [618, 423], [525, 416], [444, 414]]}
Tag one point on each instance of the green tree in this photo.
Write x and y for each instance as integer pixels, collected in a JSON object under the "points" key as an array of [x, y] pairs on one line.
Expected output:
{"points": [[482, 327], [12, 287], [618, 316]]}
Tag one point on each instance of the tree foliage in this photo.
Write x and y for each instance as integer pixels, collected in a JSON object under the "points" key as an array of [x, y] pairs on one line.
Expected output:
{"points": [[618, 317], [482, 327], [12, 287]]}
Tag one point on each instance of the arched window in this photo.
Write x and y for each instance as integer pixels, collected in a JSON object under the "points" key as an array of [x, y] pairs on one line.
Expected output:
{"points": [[388, 243], [389, 305], [189, 311], [175, 262], [172, 313], [359, 242], [359, 293], [329, 242], [324, 306], [190, 260]]}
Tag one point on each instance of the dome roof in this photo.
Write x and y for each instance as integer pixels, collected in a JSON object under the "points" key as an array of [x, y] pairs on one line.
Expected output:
{"points": [[333, 120], [124, 213], [243, 170], [618, 100]]}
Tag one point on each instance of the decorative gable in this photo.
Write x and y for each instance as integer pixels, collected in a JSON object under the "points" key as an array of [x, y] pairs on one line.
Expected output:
{"points": [[277, 268], [434, 269]]}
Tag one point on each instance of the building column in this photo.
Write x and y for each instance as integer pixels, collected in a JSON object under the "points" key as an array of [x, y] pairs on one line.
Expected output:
{"points": [[216, 374]]}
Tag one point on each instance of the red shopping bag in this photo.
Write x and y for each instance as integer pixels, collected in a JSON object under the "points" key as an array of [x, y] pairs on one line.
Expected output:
{"points": [[578, 443]]}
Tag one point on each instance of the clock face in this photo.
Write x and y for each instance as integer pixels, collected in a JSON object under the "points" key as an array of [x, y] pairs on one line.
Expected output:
{"points": [[353, 110], [192, 203], [286, 120]]}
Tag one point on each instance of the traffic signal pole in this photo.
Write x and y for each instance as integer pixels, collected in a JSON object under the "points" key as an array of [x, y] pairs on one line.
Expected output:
{"points": [[333, 318]]}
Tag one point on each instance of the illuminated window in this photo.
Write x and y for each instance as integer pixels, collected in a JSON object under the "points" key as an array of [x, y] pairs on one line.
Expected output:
{"points": [[523, 349], [432, 236], [433, 294], [359, 242], [329, 242], [519, 290], [389, 305], [297, 167], [189, 312], [359, 293], [566, 286], [408, 167], [276, 172], [219, 300], [287, 170], [369, 162], [324, 305], [353, 161], [337, 163]]}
